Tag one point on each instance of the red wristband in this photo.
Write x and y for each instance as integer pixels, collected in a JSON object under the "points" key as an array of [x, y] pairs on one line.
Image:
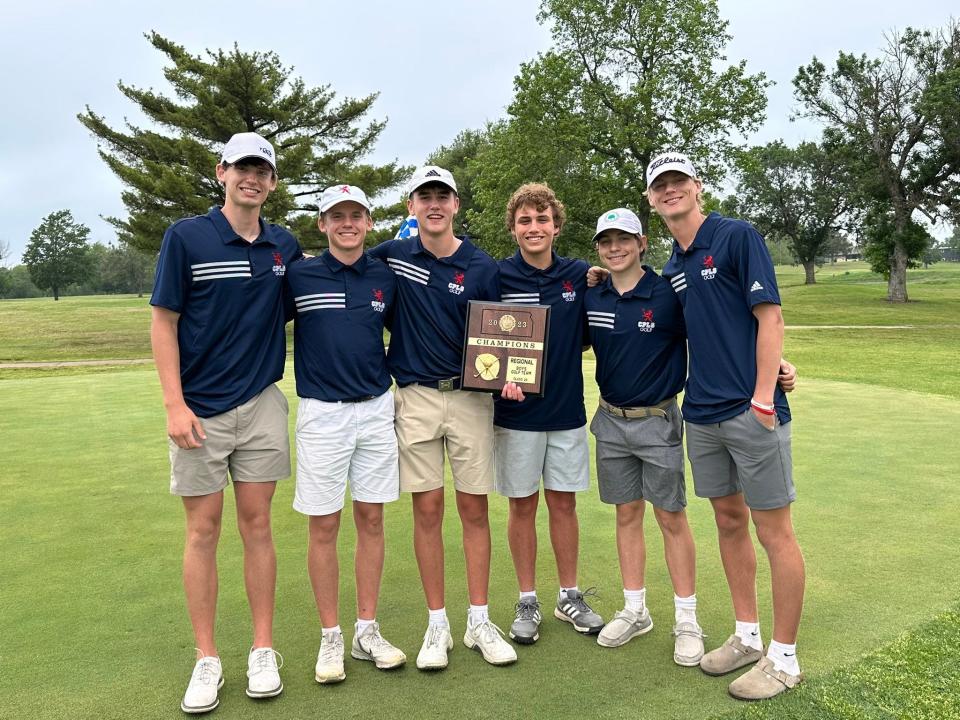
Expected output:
{"points": [[763, 409]]}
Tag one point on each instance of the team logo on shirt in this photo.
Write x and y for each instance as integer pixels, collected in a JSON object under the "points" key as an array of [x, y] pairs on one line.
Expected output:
{"points": [[456, 287], [568, 294], [278, 267], [709, 272], [377, 303], [647, 324]]}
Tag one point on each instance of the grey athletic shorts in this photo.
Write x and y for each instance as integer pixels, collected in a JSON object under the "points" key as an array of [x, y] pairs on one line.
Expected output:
{"points": [[741, 455], [522, 457], [640, 458]]}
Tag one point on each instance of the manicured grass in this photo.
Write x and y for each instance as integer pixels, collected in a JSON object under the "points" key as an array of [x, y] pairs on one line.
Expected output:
{"points": [[916, 676], [95, 626], [75, 328]]}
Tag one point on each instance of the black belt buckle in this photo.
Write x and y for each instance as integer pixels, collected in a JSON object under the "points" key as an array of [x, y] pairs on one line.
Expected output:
{"points": [[446, 385]]}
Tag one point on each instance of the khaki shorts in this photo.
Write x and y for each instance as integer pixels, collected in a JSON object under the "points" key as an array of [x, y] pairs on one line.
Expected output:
{"points": [[250, 443], [427, 421]]}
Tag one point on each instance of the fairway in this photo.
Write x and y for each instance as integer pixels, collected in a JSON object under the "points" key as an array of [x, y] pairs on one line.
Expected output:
{"points": [[92, 608]]}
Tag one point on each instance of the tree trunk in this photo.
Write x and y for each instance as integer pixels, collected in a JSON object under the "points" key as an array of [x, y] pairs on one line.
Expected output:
{"points": [[809, 268], [897, 285], [56, 293]]}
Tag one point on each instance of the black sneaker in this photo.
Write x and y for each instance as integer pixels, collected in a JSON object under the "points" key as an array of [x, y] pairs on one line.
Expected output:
{"points": [[573, 608]]}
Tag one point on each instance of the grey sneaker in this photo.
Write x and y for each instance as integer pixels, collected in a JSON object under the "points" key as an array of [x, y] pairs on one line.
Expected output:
{"points": [[625, 626], [526, 624], [573, 608], [688, 645], [370, 645]]}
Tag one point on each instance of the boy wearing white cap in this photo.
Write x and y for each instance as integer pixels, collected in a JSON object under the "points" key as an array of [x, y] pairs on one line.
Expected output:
{"points": [[637, 333], [437, 275], [343, 300], [737, 419], [219, 346]]}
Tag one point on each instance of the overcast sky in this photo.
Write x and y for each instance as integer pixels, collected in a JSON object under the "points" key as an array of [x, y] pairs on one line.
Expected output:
{"points": [[439, 69]]}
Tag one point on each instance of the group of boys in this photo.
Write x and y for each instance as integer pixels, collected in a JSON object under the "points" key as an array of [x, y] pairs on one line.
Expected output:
{"points": [[227, 283]]}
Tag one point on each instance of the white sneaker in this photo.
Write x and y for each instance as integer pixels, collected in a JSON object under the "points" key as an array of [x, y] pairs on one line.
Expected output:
{"points": [[437, 642], [330, 658], [370, 645], [626, 625], [488, 639], [688, 646], [201, 694], [263, 673]]}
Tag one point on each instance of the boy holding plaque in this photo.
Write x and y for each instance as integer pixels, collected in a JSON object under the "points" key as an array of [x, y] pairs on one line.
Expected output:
{"points": [[437, 274], [342, 301], [637, 332], [545, 437]]}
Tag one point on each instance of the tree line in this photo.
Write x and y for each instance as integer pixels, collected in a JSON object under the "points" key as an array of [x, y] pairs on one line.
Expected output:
{"points": [[623, 81]]}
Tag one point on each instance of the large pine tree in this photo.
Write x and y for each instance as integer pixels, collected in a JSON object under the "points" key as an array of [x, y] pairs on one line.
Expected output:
{"points": [[168, 169]]}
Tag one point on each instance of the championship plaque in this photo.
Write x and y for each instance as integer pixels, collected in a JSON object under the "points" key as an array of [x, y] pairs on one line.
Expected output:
{"points": [[505, 342]]}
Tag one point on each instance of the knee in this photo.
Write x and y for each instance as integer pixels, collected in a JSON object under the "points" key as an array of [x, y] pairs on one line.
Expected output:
{"points": [[324, 529], [673, 524], [629, 514], [731, 521], [524, 509], [473, 512], [370, 521], [254, 526], [562, 503], [428, 515], [776, 537], [203, 534]]}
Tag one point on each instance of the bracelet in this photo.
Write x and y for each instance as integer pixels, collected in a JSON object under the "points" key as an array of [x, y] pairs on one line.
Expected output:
{"points": [[763, 408]]}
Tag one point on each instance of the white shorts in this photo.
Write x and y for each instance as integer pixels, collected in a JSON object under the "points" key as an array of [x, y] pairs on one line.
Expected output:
{"points": [[341, 441], [522, 457]]}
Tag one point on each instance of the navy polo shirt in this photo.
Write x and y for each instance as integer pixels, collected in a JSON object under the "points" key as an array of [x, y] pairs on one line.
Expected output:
{"points": [[562, 286], [426, 341], [718, 279], [639, 340], [341, 311], [229, 294]]}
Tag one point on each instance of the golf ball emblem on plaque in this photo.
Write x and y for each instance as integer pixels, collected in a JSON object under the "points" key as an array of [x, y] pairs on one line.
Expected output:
{"points": [[505, 342]]}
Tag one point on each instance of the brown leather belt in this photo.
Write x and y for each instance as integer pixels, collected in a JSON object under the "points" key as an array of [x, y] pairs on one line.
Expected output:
{"points": [[658, 410]]}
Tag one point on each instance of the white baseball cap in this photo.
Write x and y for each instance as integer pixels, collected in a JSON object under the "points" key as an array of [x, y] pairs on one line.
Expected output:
{"points": [[247, 145], [669, 161], [619, 219], [336, 194], [429, 174]]}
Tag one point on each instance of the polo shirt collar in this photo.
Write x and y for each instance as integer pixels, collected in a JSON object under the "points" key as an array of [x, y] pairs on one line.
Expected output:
{"points": [[229, 235], [459, 259], [529, 270], [643, 290], [336, 266], [703, 238]]}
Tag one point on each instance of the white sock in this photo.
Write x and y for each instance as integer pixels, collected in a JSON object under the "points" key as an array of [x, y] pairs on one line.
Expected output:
{"points": [[784, 657], [364, 624], [438, 617], [528, 594], [478, 614], [335, 628], [564, 590], [635, 599], [685, 609], [749, 634]]}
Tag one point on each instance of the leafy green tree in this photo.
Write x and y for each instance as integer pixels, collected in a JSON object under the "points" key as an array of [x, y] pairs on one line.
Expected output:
{"points": [[57, 254], [800, 194], [625, 80], [457, 158], [15, 282], [169, 173], [902, 111]]}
